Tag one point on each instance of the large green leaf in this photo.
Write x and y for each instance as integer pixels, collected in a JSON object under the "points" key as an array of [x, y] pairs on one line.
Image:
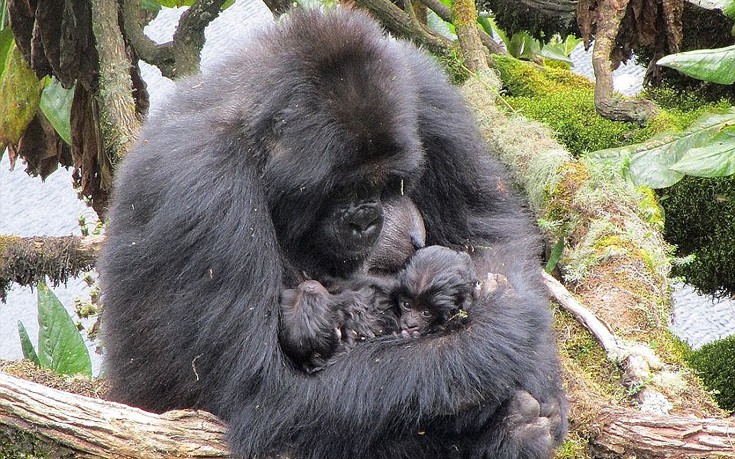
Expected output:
{"points": [[60, 345], [20, 92], [716, 159], [29, 353], [715, 65], [56, 106], [651, 163]]}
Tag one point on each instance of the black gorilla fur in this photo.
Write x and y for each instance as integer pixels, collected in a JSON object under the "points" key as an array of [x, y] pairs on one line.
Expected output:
{"points": [[229, 197]]}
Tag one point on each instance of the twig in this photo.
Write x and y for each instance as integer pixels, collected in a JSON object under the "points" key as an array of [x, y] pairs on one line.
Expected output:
{"points": [[637, 359]]}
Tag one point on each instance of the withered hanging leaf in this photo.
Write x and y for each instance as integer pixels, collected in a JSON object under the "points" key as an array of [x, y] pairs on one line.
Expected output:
{"points": [[87, 148], [42, 148], [39, 62], [20, 93], [48, 24], [647, 23], [78, 55], [22, 15]]}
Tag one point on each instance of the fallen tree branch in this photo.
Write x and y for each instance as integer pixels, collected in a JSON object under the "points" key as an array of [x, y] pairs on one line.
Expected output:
{"points": [[637, 360], [29, 260], [94, 428], [626, 433]]}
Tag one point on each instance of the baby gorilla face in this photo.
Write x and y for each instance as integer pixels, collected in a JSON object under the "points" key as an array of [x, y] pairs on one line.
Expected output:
{"points": [[434, 288]]}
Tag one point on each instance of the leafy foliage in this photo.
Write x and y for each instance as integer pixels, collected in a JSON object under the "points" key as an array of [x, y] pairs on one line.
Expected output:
{"points": [[522, 45], [56, 106], [714, 364], [60, 345], [706, 149], [714, 65]]}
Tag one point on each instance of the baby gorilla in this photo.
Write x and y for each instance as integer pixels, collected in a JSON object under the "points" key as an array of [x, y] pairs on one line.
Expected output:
{"points": [[435, 290], [431, 294]]}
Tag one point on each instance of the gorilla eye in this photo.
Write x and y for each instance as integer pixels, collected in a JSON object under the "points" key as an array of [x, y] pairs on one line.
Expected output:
{"points": [[405, 305], [426, 313]]}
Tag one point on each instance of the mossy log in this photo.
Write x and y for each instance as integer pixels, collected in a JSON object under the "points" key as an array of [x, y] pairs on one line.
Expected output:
{"points": [[49, 421], [45, 420]]}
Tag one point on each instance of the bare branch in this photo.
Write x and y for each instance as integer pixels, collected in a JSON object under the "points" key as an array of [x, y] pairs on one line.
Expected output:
{"points": [[445, 14], [26, 261], [94, 428], [189, 35], [398, 22], [160, 55]]}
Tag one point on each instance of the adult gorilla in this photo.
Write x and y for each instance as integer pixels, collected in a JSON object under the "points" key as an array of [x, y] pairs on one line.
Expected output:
{"points": [[275, 167]]}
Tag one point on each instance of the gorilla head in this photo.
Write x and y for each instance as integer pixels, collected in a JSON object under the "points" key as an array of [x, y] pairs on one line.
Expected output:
{"points": [[337, 143], [274, 169]]}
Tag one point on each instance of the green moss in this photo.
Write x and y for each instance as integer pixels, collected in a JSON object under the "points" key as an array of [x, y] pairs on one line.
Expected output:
{"points": [[580, 346], [713, 363], [573, 447], [565, 102], [700, 220], [453, 64]]}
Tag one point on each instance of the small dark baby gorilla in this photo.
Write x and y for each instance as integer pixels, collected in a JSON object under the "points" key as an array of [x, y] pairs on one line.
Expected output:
{"points": [[431, 294], [435, 290], [315, 324]]}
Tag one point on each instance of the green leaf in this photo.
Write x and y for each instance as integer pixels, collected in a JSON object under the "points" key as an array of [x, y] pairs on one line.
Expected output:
{"points": [[20, 92], [29, 353], [489, 24], [651, 163], [715, 65], [523, 46], [555, 255], [555, 52], [150, 5], [56, 106], [717, 159], [6, 42], [60, 345]]}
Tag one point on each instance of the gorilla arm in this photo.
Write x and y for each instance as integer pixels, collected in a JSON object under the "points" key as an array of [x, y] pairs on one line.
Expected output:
{"points": [[373, 401]]}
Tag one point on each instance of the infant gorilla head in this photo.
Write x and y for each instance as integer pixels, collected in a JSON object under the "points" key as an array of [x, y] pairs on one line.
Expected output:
{"points": [[434, 291]]}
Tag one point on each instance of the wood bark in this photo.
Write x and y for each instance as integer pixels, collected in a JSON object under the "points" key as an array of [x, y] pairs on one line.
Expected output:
{"points": [[118, 120], [608, 25], [93, 428]]}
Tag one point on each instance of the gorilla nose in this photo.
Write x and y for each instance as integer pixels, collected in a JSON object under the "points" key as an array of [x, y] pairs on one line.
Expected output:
{"points": [[365, 221]]}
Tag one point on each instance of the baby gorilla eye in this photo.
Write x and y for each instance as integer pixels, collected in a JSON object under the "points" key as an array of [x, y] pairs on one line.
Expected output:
{"points": [[405, 305], [426, 313]]}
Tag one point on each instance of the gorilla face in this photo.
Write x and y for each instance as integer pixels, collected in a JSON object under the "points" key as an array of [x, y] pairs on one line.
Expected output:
{"points": [[333, 159]]}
